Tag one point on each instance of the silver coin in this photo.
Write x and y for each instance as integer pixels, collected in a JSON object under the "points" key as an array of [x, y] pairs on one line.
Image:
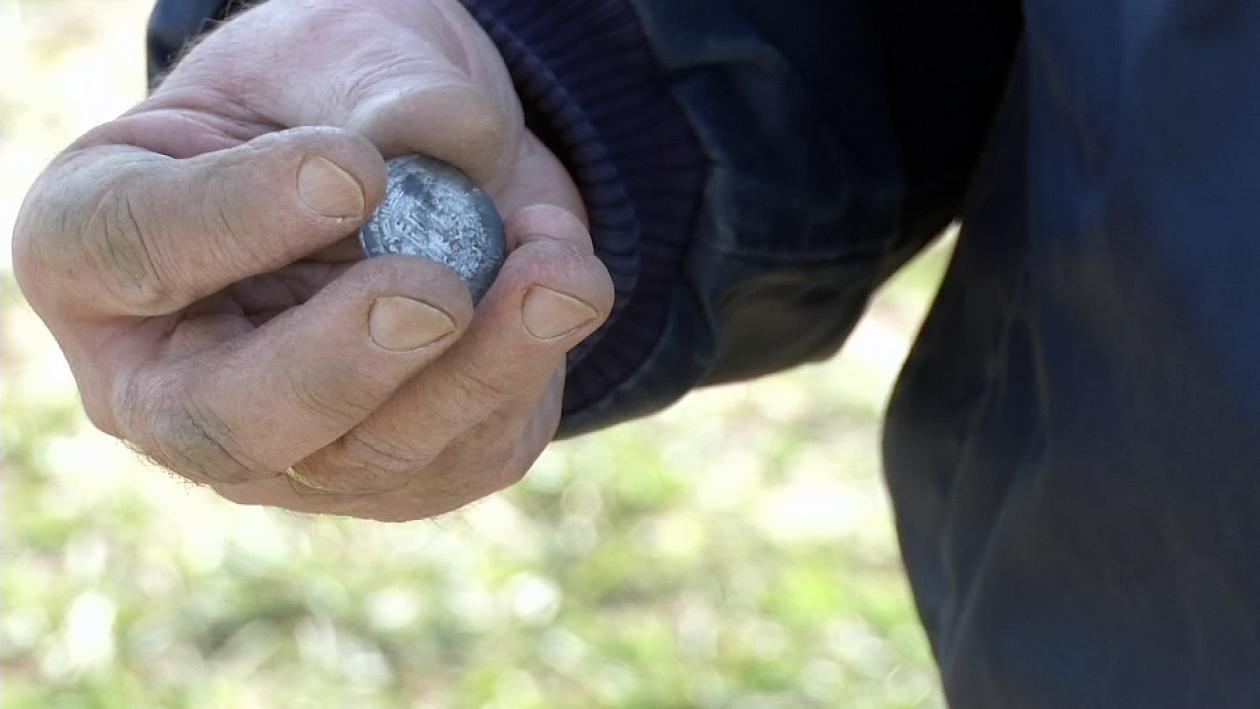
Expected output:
{"points": [[432, 209]]}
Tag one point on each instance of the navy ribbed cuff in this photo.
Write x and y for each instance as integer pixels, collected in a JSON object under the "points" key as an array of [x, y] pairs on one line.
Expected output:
{"points": [[591, 89]]}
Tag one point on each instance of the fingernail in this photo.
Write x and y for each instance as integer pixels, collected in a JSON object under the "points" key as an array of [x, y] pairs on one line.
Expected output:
{"points": [[550, 314], [402, 324], [328, 189]]}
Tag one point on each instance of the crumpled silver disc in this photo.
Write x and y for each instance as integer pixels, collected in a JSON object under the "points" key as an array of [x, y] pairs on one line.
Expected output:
{"points": [[432, 209]]}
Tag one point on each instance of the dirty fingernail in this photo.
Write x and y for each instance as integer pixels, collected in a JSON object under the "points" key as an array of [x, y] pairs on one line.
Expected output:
{"points": [[549, 314], [402, 324], [328, 189]]}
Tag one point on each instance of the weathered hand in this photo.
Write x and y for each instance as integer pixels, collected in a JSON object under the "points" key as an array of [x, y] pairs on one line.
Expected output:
{"points": [[196, 260]]}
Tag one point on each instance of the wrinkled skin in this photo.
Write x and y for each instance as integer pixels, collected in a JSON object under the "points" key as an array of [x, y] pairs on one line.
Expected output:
{"points": [[196, 260]]}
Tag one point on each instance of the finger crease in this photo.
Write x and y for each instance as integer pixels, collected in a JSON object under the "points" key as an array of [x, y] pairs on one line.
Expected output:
{"points": [[316, 399], [130, 258], [197, 446], [387, 455]]}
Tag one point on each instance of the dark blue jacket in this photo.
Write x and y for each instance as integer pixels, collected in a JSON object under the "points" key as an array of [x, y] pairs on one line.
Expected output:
{"points": [[1073, 448]]}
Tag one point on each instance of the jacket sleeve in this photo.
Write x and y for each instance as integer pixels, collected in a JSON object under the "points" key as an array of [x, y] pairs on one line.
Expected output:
{"points": [[752, 169]]}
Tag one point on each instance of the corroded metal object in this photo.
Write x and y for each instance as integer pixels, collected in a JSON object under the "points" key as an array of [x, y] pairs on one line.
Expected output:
{"points": [[432, 209]]}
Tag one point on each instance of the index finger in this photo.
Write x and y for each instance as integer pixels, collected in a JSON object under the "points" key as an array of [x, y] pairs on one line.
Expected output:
{"points": [[158, 233]]}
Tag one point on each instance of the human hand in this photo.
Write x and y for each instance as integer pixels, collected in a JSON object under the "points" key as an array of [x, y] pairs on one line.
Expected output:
{"points": [[196, 261]]}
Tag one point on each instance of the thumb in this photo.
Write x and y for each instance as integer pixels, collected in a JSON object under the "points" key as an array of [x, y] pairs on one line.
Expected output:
{"points": [[158, 233]]}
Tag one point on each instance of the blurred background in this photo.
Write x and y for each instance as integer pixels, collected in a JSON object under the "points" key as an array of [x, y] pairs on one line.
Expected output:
{"points": [[735, 551]]}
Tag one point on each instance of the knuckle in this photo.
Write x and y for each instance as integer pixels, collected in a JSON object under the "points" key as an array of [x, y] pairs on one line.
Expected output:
{"points": [[122, 238], [48, 219], [88, 215], [190, 439]]}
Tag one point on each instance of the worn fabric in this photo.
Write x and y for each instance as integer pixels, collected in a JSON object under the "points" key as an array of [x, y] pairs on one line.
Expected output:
{"points": [[1071, 445]]}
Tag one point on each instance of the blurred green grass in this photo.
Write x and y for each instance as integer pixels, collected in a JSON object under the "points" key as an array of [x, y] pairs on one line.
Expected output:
{"points": [[735, 551]]}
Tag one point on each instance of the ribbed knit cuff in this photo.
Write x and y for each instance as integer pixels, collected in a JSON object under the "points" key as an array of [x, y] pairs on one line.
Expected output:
{"points": [[591, 90]]}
